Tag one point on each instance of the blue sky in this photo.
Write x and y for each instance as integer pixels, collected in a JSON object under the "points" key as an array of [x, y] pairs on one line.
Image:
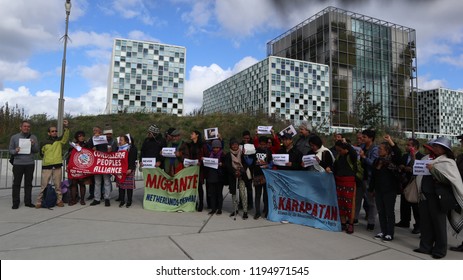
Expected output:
{"points": [[222, 37]]}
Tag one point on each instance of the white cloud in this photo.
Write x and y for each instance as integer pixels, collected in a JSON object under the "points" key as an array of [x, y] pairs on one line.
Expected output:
{"points": [[46, 102], [203, 77], [97, 75], [456, 61], [140, 35], [17, 71], [426, 84]]}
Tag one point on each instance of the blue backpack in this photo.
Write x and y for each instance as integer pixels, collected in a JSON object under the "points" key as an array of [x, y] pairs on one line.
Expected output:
{"points": [[49, 197]]}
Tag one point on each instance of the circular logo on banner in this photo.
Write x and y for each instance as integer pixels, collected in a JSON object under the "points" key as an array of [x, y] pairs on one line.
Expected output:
{"points": [[84, 159]]}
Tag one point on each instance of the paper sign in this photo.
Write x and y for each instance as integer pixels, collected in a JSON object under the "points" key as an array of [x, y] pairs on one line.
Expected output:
{"points": [[75, 146], [419, 168], [24, 146], [290, 129], [98, 140], [264, 129], [211, 162], [148, 162], [309, 160], [168, 152], [249, 149], [190, 162], [280, 159], [211, 133]]}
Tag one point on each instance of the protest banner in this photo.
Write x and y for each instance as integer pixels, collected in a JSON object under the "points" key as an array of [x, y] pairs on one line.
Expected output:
{"points": [[170, 194], [88, 162], [302, 197]]}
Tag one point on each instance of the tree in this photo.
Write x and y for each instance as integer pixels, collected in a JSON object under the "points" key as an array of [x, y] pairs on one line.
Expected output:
{"points": [[365, 113]]}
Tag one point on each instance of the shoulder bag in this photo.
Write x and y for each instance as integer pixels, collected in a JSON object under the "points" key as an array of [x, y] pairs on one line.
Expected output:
{"points": [[411, 191]]}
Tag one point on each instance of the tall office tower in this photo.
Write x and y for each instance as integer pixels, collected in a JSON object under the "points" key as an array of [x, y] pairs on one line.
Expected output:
{"points": [[363, 54], [440, 111], [286, 88], [146, 77]]}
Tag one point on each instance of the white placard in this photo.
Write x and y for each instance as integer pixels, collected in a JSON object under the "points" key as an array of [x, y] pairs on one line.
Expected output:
{"points": [[148, 162], [280, 159], [290, 129], [190, 162], [25, 145], [75, 146], [309, 160], [211, 133], [211, 162], [168, 152], [249, 149], [419, 168], [264, 129], [98, 140]]}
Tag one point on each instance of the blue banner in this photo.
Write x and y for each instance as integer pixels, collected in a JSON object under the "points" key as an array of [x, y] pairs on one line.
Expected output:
{"points": [[303, 197]]}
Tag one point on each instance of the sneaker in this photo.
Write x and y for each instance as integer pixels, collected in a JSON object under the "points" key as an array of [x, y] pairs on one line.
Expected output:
{"points": [[245, 215], [371, 227], [107, 203], [30, 205], [379, 236], [121, 203], [95, 202], [219, 212], [60, 204], [387, 238], [233, 213], [15, 206], [129, 203]]}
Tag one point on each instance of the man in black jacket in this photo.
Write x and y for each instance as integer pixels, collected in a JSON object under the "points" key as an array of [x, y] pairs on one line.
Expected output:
{"points": [[406, 169]]}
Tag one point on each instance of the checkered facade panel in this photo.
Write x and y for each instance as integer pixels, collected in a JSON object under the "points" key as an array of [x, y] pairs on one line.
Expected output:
{"points": [[287, 88], [440, 111], [147, 77]]}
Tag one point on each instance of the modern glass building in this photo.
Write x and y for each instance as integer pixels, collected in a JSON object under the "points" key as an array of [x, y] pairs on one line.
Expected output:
{"points": [[146, 77], [363, 54], [440, 111], [286, 88]]}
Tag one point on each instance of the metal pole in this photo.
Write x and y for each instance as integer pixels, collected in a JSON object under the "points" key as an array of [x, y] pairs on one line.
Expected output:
{"points": [[63, 73]]}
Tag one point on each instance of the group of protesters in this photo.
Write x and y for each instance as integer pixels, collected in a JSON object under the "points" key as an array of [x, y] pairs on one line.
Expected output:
{"points": [[367, 175]]}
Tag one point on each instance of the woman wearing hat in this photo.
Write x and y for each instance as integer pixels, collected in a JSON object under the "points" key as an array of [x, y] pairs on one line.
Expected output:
{"points": [[444, 174]]}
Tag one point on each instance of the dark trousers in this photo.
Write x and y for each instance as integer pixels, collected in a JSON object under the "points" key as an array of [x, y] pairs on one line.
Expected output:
{"points": [[215, 194], [433, 226], [129, 195], [406, 211], [385, 204], [18, 172], [259, 189]]}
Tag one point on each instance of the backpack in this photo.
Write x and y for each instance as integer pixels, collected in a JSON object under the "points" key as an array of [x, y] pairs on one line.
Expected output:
{"points": [[49, 197], [358, 169]]}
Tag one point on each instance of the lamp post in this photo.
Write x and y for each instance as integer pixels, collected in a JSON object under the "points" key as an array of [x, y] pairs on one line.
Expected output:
{"points": [[59, 125]]}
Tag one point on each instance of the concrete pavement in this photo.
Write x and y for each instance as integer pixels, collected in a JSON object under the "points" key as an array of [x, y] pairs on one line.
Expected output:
{"points": [[113, 233]]}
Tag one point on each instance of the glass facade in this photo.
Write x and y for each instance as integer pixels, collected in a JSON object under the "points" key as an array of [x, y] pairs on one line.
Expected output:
{"points": [[363, 54], [286, 88], [146, 77]]}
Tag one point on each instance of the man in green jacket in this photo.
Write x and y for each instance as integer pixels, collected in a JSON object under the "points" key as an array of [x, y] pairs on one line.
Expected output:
{"points": [[52, 163]]}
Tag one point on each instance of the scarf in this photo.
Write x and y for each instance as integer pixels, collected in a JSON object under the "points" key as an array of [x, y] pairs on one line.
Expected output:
{"points": [[124, 147], [236, 159], [449, 169], [216, 155], [319, 154]]}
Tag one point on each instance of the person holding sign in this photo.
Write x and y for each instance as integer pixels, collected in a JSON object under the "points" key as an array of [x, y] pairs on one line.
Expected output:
{"points": [[384, 183], [23, 147], [444, 174], [406, 170], [294, 155], [323, 155], [152, 146], [197, 149], [214, 179], [79, 141], [129, 182], [263, 161]]}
